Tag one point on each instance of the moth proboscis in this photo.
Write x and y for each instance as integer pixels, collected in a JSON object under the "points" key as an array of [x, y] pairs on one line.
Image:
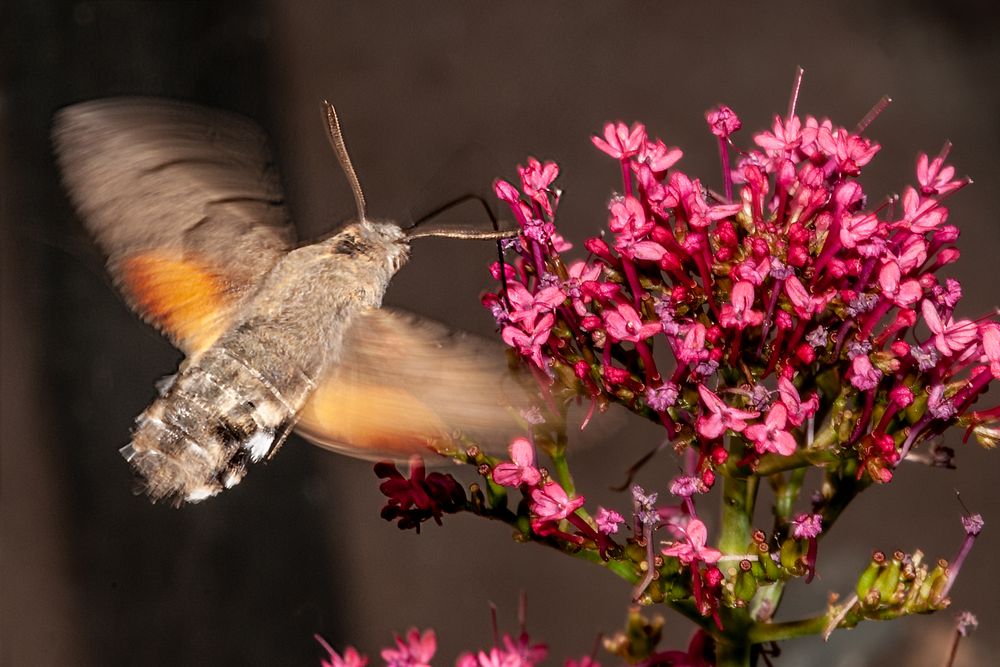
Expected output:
{"points": [[186, 204]]}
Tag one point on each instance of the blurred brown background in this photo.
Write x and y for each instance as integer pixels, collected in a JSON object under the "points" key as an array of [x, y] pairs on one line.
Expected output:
{"points": [[436, 100]]}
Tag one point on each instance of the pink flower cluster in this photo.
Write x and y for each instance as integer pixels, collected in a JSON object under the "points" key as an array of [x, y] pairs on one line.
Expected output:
{"points": [[777, 300], [417, 649]]}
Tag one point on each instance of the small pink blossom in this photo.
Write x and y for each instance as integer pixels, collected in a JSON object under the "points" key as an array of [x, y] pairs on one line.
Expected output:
{"points": [[934, 176], [991, 346], [650, 251], [550, 502], [528, 306], [693, 545], [921, 215], [692, 348], [798, 410], [849, 151], [624, 323], [495, 657], [529, 343], [608, 520], [521, 652], [685, 486], [628, 216], [805, 304], [619, 141], [723, 121], [416, 651], [771, 436], [740, 314], [783, 138], [864, 376], [722, 416], [522, 470], [949, 336], [658, 156], [537, 177], [505, 191], [855, 229], [901, 293], [351, 657], [807, 526]]}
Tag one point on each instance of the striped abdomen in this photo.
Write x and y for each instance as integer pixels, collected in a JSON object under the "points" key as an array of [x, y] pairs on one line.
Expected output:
{"points": [[218, 416]]}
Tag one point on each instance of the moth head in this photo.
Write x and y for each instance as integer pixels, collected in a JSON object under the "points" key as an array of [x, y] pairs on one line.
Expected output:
{"points": [[375, 242]]}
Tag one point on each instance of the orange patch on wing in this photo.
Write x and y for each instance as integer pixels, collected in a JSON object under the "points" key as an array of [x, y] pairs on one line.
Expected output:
{"points": [[370, 421], [179, 296]]}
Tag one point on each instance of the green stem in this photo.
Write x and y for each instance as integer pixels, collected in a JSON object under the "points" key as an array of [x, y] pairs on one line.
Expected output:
{"points": [[787, 494], [802, 458], [735, 654], [736, 505], [773, 632]]}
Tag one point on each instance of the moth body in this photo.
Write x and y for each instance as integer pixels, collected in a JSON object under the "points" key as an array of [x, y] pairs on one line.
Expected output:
{"points": [[234, 402]]}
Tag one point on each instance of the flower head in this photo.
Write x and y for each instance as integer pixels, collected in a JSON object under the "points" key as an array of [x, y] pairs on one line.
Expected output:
{"points": [[522, 468], [692, 547], [416, 650]]}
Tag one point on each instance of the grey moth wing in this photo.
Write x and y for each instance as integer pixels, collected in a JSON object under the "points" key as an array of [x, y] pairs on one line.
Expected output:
{"points": [[405, 383], [184, 201]]}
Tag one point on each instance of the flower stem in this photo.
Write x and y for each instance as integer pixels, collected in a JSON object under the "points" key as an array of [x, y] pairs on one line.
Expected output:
{"points": [[732, 654], [735, 505]]}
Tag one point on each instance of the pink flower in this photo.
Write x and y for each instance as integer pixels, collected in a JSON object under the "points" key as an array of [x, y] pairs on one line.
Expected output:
{"points": [[505, 191], [494, 658], [723, 121], [608, 520], [807, 526], [351, 657], [805, 304], [529, 343], [528, 306], [798, 411], [921, 215], [855, 229], [522, 653], [783, 139], [692, 348], [624, 323], [619, 141], [771, 436], [692, 199], [991, 346], [740, 314], [416, 651], [935, 177], [658, 157], [628, 216], [723, 416], [949, 336], [550, 503], [522, 470], [849, 151], [692, 547], [537, 177], [685, 486], [902, 294], [864, 376], [650, 251]]}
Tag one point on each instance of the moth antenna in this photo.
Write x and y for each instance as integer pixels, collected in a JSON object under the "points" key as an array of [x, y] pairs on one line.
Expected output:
{"points": [[336, 137]]}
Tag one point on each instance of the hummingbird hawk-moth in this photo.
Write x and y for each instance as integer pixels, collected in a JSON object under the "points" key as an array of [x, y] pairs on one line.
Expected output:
{"points": [[186, 204]]}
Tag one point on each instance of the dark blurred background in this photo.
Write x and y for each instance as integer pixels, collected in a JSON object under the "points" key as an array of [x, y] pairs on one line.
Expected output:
{"points": [[436, 100]]}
